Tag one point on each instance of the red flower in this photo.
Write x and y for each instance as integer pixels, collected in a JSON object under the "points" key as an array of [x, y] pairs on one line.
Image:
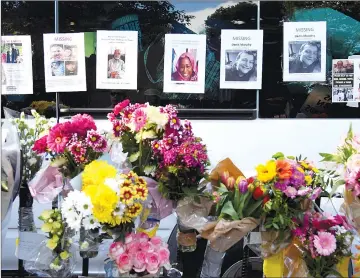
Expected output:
{"points": [[258, 193], [40, 145], [120, 106], [250, 180], [266, 199]]}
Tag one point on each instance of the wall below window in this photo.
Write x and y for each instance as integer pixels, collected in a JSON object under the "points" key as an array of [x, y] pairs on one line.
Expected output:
{"points": [[247, 143]]}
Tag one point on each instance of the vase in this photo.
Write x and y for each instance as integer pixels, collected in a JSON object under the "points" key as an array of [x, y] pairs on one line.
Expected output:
{"points": [[212, 262], [111, 271], [89, 244], [186, 238]]}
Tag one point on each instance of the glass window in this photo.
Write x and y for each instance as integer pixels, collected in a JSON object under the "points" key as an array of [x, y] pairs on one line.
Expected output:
{"points": [[306, 99], [32, 18]]}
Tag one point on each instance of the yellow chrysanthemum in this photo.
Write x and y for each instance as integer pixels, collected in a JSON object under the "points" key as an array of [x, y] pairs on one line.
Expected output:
{"points": [[266, 172], [104, 201], [141, 192], [134, 210], [117, 220], [96, 172], [308, 180], [127, 195]]}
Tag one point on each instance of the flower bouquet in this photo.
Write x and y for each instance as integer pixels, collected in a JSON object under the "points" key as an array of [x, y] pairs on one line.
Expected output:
{"points": [[324, 243], [138, 256], [291, 185], [348, 158]]}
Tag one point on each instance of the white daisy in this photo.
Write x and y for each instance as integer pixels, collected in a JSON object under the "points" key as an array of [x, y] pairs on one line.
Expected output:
{"points": [[90, 223]]}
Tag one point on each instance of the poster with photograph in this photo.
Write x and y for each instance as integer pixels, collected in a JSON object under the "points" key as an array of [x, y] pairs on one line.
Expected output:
{"points": [[184, 63], [16, 65], [304, 51], [343, 80], [117, 60], [241, 59], [355, 103], [64, 61]]}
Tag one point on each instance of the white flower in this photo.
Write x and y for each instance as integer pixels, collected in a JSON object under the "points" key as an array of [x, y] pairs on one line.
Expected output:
{"points": [[90, 223], [353, 163], [120, 209], [74, 223], [22, 142], [84, 245], [113, 184], [154, 115], [32, 161], [150, 134]]}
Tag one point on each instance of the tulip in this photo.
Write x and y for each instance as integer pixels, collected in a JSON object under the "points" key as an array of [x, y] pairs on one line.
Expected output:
{"points": [[230, 183], [224, 177], [266, 199], [258, 193], [242, 184]]}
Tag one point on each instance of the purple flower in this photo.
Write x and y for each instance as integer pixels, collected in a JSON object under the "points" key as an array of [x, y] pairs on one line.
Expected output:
{"points": [[290, 192], [243, 186], [304, 191], [316, 194], [282, 184], [175, 123], [297, 179]]}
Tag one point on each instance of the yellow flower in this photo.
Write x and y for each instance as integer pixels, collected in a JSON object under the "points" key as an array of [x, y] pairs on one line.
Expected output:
{"points": [[300, 169], [55, 238], [134, 210], [46, 214], [305, 165], [51, 244], [308, 180], [64, 255], [96, 172], [266, 172], [315, 170], [141, 192], [127, 195], [104, 201], [46, 228], [117, 220]]}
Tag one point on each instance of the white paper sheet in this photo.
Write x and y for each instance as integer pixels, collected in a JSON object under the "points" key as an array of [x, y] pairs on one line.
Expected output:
{"points": [[345, 75], [184, 63], [16, 65], [304, 51], [64, 61], [116, 60], [241, 59], [356, 82]]}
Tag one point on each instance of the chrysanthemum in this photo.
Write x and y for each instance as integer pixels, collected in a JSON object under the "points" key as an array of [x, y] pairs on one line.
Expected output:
{"points": [[127, 195], [134, 210], [117, 128], [325, 243], [96, 172], [93, 138], [139, 119], [141, 192], [266, 172], [80, 159], [77, 149]]}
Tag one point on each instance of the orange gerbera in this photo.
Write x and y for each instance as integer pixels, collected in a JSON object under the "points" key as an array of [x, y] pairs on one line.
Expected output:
{"points": [[283, 169]]}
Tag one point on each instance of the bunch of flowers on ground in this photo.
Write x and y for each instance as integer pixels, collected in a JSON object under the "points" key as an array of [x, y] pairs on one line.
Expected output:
{"points": [[108, 200], [72, 144], [326, 240], [140, 255], [57, 241], [291, 183]]}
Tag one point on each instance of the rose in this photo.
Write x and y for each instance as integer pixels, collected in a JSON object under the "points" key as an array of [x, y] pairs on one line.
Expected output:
{"points": [[152, 260], [124, 263], [133, 247], [164, 255], [129, 238], [116, 249], [139, 261], [156, 242], [146, 246], [142, 237]]}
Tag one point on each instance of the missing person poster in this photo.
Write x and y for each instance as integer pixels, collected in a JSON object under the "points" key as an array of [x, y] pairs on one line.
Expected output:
{"points": [[343, 80], [117, 60], [16, 65], [184, 63], [304, 51], [241, 59], [64, 61]]}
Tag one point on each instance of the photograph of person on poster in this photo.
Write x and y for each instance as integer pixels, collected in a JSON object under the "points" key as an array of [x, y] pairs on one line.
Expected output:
{"points": [[70, 68], [57, 52], [243, 68], [116, 66], [304, 57], [185, 68]]}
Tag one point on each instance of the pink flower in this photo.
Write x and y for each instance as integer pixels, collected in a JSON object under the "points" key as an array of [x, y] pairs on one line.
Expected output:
{"points": [[304, 191], [325, 243], [290, 192], [133, 247], [129, 238], [152, 260], [140, 261], [139, 119], [156, 241], [187, 129], [117, 128], [175, 123], [164, 255], [82, 123], [146, 246], [124, 263], [77, 149], [40, 145], [120, 106], [115, 250], [316, 193], [142, 237], [57, 139]]}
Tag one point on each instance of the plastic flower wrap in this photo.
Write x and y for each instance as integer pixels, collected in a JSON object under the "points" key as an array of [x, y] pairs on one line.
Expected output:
{"points": [[139, 256], [325, 243], [347, 158]]}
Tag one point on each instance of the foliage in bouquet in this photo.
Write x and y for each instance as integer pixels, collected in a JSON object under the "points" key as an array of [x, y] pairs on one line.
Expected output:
{"points": [[72, 144], [140, 255], [347, 156], [28, 136], [292, 183], [108, 200], [326, 240], [57, 239], [237, 199]]}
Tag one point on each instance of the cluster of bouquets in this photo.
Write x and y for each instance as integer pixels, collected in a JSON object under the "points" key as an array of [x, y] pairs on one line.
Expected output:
{"points": [[163, 148], [347, 160]]}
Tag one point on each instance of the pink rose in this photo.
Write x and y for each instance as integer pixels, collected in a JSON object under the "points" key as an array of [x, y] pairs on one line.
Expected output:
{"points": [[156, 241], [146, 246], [133, 247], [139, 261], [142, 237], [115, 250], [124, 263], [152, 260], [164, 255], [129, 238]]}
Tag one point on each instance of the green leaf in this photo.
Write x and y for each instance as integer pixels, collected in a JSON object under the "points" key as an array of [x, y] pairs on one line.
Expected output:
{"points": [[275, 226], [149, 169], [278, 155], [327, 157], [252, 208], [222, 188], [228, 209], [291, 157], [281, 219], [236, 198], [134, 157]]}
